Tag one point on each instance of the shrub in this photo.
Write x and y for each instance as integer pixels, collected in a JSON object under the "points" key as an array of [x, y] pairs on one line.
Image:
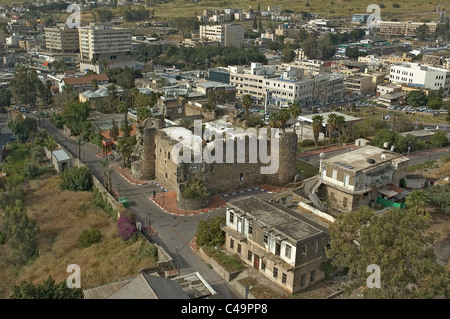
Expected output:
{"points": [[2, 239], [445, 158], [31, 171], [76, 179], [127, 226], [254, 120], [308, 142], [209, 232], [89, 237]]}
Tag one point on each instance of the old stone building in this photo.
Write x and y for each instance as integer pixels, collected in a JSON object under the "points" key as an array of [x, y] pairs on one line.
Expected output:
{"points": [[354, 179], [153, 158], [282, 245]]}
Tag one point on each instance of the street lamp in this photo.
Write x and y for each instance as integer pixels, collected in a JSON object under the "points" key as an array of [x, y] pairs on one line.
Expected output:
{"points": [[409, 147]]}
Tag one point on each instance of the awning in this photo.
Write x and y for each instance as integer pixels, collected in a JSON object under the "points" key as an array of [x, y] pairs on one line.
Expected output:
{"points": [[391, 191]]}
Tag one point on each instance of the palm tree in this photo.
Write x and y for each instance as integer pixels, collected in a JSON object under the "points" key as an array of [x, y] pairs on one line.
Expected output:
{"points": [[104, 163], [340, 122], [284, 116], [80, 141], [331, 124], [317, 124], [51, 143], [274, 119], [94, 83], [295, 109], [109, 171], [246, 103], [417, 201]]}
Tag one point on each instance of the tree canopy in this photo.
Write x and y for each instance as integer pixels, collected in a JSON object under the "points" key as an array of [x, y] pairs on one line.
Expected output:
{"points": [[396, 241], [46, 290]]}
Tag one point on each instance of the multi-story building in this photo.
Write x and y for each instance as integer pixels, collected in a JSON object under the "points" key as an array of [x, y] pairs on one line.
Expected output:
{"points": [[280, 244], [392, 59], [358, 177], [358, 84], [283, 87], [219, 74], [225, 34], [405, 28], [421, 76], [104, 46], [313, 67], [62, 39], [328, 87], [431, 60], [84, 83]]}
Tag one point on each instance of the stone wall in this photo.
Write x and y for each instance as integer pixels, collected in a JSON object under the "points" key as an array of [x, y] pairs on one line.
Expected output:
{"points": [[192, 203], [218, 268]]}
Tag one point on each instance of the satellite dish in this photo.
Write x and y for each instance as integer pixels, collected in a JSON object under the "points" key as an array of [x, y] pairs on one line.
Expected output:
{"points": [[371, 161]]}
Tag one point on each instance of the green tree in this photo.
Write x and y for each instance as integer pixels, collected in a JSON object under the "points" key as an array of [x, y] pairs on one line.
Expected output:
{"points": [[74, 114], [288, 54], [325, 49], [76, 179], [51, 144], [209, 232], [5, 98], [422, 32], [340, 122], [397, 242], [417, 98], [439, 139], [354, 53], [284, 118], [331, 124], [317, 125], [47, 290], [114, 131], [21, 232], [22, 128], [295, 109], [310, 47], [24, 86], [416, 201], [437, 197], [246, 103]]}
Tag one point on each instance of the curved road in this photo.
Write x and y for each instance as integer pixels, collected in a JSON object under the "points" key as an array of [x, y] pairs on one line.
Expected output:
{"points": [[174, 232]]}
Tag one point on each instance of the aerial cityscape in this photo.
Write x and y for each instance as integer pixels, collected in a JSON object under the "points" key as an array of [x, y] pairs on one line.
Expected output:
{"points": [[215, 150]]}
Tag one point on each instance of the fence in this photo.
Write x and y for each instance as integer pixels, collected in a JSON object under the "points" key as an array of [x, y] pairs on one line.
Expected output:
{"points": [[388, 203]]}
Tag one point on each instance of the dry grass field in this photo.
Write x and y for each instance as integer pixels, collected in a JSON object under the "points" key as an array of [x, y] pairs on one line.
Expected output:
{"points": [[61, 217]]}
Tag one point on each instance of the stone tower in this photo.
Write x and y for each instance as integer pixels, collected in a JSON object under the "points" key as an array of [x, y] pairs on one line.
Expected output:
{"points": [[143, 156], [287, 160]]}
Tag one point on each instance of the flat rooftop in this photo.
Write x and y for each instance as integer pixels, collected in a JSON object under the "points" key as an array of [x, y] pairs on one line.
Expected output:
{"points": [[358, 159], [275, 218], [61, 155], [348, 118]]}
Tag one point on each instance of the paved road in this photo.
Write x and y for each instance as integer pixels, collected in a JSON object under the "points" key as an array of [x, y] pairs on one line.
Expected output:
{"points": [[174, 232]]}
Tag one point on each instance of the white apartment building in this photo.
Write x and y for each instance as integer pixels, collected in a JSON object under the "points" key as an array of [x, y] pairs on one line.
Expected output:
{"points": [[104, 43], [418, 75], [284, 87], [225, 34]]}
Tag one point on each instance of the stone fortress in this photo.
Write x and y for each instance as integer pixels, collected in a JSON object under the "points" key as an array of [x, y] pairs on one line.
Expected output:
{"points": [[153, 159]]}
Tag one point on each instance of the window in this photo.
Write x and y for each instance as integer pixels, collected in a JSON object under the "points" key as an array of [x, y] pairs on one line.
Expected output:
{"points": [[263, 264], [317, 246], [283, 278], [249, 256], [313, 275], [241, 177], [288, 251], [304, 251], [334, 174], [231, 218], [346, 179], [345, 202], [250, 229], [303, 281], [231, 243], [266, 238], [239, 248], [275, 272]]}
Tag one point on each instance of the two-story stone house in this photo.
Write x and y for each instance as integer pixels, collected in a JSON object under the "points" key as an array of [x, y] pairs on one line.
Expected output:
{"points": [[354, 179], [281, 244]]}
